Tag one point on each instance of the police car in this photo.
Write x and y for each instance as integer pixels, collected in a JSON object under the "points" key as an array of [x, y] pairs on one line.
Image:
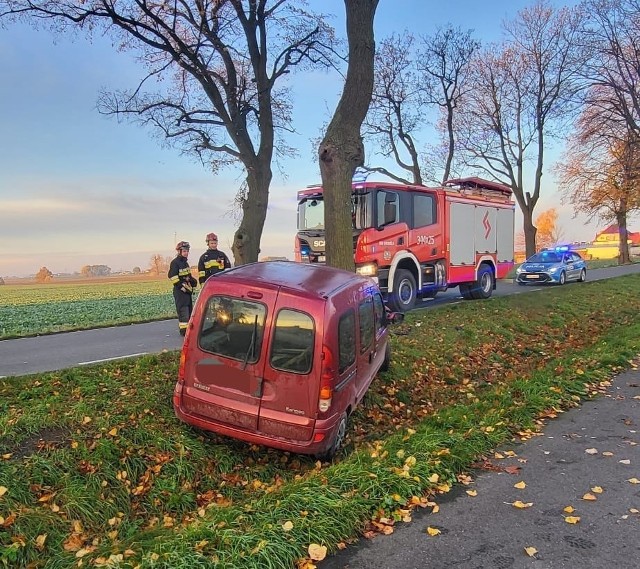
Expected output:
{"points": [[552, 266]]}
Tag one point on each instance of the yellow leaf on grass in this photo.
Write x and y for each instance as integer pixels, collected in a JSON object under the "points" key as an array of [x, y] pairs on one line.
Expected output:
{"points": [[531, 551], [86, 420], [433, 531], [520, 485], [434, 478], [519, 504], [597, 490], [287, 526], [317, 552], [113, 432], [589, 497], [569, 510], [572, 519], [634, 480], [40, 541], [472, 493], [3, 490]]}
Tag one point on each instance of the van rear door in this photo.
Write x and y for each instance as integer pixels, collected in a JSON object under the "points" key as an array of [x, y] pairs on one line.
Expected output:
{"points": [[291, 380], [224, 382]]}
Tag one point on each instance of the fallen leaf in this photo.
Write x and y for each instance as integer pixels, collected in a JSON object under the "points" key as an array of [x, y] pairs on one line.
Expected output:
{"points": [[634, 511], [520, 485], [625, 461], [317, 552], [597, 489], [531, 551], [591, 451], [589, 497], [434, 478], [607, 453], [433, 531], [572, 519], [519, 504], [472, 493], [634, 480], [40, 541], [512, 469], [569, 510], [3, 490], [287, 526]]}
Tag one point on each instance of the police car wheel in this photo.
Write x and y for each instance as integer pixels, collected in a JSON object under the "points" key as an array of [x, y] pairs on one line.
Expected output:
{"points": [[563, 278]]}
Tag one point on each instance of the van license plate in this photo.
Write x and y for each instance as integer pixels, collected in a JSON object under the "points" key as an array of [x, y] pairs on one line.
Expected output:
{"points": [[321, 259]]}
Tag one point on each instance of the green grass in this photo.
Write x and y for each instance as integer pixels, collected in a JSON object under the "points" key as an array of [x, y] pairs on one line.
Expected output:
{"points": [[28, 310], [97, 468]]}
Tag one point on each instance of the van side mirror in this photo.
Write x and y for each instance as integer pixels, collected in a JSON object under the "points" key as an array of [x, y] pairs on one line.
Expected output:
{"points": [[394, 317]]}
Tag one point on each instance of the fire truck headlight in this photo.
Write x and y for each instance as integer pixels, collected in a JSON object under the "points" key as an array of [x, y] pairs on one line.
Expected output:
{"points": [[368, 270]]}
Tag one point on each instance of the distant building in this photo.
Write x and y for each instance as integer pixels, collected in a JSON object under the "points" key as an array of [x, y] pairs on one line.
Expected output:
{"points": [[274, 259], [606, 245]]}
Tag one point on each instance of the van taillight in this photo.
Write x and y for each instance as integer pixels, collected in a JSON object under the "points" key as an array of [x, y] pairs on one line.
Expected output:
{"points": [[326, 380]]}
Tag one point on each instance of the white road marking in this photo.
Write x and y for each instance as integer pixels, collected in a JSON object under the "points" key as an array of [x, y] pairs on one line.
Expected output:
{"points": [[111, 359]]}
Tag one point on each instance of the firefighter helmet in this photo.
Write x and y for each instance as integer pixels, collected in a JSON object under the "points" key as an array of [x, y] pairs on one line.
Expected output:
{"points": [[211, 237], [183, 245]]}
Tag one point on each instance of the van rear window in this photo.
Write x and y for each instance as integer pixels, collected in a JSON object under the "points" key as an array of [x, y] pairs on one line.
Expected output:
{"points": [[293, 339], [233, 327]]}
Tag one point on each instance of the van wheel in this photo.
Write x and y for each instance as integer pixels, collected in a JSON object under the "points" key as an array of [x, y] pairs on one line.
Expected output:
{"points": [[404, 294], [338, 440], [386, 363]]}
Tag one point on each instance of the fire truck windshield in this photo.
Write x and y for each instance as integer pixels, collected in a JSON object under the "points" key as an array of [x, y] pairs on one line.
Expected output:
{"points": [[311, 212]]}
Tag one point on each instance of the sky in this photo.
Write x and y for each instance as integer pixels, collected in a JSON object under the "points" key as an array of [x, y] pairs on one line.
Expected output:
{"points": [[78, 188]]}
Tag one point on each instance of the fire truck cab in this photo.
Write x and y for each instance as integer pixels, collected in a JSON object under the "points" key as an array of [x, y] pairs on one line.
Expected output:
{"points": [[417, 240]]}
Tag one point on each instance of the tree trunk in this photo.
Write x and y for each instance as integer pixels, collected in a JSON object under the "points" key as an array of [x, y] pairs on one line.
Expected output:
{"points": [[246, 239], [530, 232], [624, 258], [342, 150]]}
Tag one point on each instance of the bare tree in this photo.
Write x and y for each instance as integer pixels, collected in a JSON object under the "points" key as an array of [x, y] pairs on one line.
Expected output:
{"points": [[342, 150], [217, 65], [411, 79], [159, 265], [444, 62], [395, 116], [522, 92]]}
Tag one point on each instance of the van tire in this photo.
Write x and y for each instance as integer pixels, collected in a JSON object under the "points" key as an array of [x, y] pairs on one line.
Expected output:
{"points": [[404, 287], [337, 442], [386, 363]]}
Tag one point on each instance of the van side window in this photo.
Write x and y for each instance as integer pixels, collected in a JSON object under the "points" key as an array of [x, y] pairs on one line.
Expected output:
{"points": [[378, 306], [347, 339], [365, 313], [293, 339], [233, 328]]}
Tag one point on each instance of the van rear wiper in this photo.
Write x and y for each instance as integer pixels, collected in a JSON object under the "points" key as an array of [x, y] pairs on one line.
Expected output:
{"points": [[252, 344]]}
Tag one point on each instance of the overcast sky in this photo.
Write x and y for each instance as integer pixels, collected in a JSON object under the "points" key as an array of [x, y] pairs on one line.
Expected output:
{"points": [[78, 188]]}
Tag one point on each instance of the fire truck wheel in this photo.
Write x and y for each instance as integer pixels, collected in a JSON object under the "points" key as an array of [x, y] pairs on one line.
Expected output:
{"points": [[484, 284], [404, 293]]}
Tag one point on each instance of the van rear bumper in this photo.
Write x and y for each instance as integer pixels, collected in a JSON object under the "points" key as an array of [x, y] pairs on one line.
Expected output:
{"points": [[324, 430]]}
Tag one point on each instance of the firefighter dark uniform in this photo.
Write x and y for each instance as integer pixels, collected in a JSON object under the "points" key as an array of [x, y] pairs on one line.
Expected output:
{"points": [[212, 261], [183, 285]]}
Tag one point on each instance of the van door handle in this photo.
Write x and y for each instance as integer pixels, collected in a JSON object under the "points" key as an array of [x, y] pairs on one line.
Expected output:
{"points": [[258, 391]]}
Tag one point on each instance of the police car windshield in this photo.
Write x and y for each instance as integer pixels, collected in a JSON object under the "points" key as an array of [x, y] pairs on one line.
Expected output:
{"points": [[545, 257]]}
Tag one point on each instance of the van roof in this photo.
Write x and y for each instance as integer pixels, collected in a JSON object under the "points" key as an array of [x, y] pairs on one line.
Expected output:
{"points": [[311, 279]]}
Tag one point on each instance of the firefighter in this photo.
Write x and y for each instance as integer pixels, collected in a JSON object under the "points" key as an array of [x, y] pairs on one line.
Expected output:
{"points": [[183, 285], [212, 261]]}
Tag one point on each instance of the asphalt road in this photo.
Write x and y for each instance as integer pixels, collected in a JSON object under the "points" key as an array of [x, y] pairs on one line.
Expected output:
{"points": [[59, 351], [593, 449]]}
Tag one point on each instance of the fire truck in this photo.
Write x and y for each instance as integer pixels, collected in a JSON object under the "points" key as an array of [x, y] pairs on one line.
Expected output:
{"points": [[417, 240]]}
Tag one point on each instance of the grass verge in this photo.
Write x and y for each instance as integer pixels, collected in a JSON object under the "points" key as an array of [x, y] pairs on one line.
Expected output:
{"points": [[97, 471]]}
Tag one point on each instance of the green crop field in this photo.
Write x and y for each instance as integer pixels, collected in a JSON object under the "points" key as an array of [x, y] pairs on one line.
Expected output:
{"points": [[27, 310]]}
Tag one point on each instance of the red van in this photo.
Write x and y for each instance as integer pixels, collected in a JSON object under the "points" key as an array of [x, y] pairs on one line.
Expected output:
{"points": [[280, 353]]}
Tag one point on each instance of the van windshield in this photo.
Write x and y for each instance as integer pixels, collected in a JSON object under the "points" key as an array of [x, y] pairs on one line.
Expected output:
{"points": [[233, 327]]}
